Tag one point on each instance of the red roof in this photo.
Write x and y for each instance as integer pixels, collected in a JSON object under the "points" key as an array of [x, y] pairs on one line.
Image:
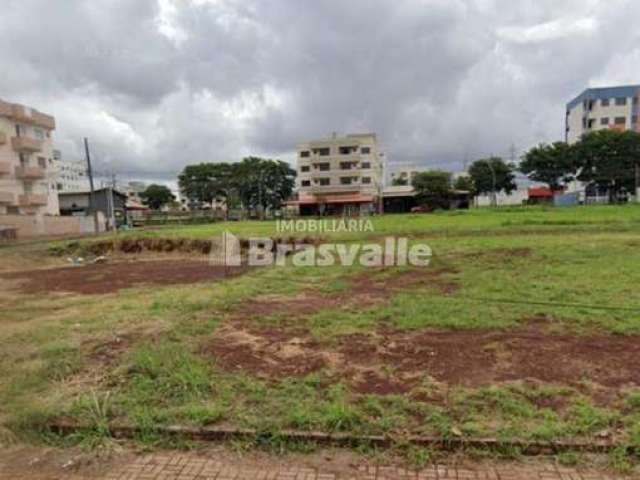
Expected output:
{"points": [[540, 192]]}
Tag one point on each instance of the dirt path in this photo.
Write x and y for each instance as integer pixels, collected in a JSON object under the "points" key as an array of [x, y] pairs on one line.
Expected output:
{"points": [[214, 464], [113, 276]]}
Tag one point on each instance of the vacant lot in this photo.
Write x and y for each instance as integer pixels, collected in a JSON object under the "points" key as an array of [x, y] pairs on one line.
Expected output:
{"points": [[525, 325]]}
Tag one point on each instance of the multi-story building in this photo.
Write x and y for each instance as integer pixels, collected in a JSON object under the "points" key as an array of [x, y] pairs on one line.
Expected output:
{"points": [[27, 169], [72, 175], [600, 108], [340, 175]]}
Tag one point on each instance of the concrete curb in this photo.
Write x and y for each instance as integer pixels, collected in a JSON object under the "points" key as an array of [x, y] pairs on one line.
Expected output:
{"points": [[217, 434]]}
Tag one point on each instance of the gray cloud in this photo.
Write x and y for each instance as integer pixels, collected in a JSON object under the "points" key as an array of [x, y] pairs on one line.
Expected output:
{"points": [[157, 84]]}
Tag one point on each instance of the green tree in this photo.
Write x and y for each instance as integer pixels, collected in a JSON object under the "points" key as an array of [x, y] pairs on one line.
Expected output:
{"points": [[399, 181], [464, 182], [552, 164], [263, 183], [433, 188], [608, 159], [205, 182], [492, 175], [157, 196]]}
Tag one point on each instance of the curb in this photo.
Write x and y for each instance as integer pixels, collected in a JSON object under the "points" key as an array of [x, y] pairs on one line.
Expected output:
{"points": [[218, 434]]}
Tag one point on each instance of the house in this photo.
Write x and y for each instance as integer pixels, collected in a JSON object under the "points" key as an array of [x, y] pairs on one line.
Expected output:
{"points": [[110, 202]]}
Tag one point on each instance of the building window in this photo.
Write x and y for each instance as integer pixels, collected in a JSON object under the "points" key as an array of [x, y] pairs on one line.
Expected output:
{"points": [[306, 183], [39, 134], [304, 168], [366, 165], [323, 152], [324, 181], [13, 210], [620, 120], [347, 150], [621, 101], [42, 162], [324, 167], [635, 100], [24, 160], [634, 119], [304, 154], [365, 150], [604, 121], [346, 180], [604, 102], [345, 165], [591, 122], [366, 180]]}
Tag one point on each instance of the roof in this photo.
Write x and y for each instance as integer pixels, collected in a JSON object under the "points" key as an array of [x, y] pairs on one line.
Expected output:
{"points": [[88, 192], [398, 191], [604, 93], [540, 192]]}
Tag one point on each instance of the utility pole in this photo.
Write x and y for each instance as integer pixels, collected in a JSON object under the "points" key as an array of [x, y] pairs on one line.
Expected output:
{"points": [[92, 196]]}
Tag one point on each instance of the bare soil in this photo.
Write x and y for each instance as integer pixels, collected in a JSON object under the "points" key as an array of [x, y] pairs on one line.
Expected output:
{"points": [[110, 277], [362, 291], [391, 361]]}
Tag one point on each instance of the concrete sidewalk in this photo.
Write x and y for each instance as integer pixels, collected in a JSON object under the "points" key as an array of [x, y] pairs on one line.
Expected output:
{"points": [[188, 466]]}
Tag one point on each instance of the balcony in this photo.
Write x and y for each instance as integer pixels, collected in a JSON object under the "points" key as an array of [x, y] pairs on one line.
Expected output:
{"points": [[5, 168], [355, 187], [26, 144], [32, 200], [30, 173], [6, 198], [27, 115]]}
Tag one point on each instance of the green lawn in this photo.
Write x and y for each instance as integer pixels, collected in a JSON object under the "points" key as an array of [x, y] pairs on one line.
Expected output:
{"points": [[154, 355]]}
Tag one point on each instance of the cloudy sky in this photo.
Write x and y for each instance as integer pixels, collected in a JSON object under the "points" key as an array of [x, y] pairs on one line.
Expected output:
{"points": [[158, 84]]}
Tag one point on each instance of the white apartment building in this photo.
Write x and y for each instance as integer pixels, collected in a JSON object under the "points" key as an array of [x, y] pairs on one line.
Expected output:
{"points": [[600, 108], [340, 175], [27, 168], [72, 175]]}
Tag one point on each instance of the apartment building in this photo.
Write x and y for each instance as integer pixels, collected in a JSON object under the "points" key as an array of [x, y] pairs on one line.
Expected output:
{"points": [[27, 168], [340, 175], [600, 108]]}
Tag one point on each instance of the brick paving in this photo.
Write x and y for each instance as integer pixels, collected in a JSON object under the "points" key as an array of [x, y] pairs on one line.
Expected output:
{"points": [[185, 466]]}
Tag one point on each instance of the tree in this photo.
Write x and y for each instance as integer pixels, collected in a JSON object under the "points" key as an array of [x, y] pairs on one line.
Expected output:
{"points": [[608, 159], [464, 182], [399, 181], [552, 164], [263, 183], [492, 175], [205, 182], [157, 196], [433, 188]]}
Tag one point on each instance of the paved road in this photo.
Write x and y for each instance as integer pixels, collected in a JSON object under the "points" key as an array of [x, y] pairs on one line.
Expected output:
{"points": [[187, 466]]}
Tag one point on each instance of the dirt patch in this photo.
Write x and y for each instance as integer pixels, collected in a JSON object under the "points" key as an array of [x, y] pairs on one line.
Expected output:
{"points": [[111, 277], [392, 362], [367, 290]]}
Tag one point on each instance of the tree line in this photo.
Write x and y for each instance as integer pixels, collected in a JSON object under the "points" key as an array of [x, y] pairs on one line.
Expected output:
{"points": [[608, 160]]}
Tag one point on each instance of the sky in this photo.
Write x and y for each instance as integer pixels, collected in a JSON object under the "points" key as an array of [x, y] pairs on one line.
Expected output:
{"points": [[159, 84]]}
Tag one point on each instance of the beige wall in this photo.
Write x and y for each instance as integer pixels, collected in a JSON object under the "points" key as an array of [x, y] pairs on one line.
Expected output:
{"points": [[335, 173], [574, 119], [32, 124], [44, 225]]}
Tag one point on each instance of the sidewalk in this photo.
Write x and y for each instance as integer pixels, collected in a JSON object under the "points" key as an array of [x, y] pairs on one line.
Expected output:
{"points": [[192, 466]]}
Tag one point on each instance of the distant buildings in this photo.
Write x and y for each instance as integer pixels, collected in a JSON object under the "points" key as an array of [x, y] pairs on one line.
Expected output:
{"points": [[600, 108], [72, 174], [27, 168], [339, 175]]}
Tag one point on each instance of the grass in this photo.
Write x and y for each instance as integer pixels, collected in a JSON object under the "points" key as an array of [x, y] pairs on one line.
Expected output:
{"points": [[576, 267]]}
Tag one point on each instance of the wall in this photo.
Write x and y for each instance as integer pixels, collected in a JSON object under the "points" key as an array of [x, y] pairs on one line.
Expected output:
{"points": [[43, 225]]}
